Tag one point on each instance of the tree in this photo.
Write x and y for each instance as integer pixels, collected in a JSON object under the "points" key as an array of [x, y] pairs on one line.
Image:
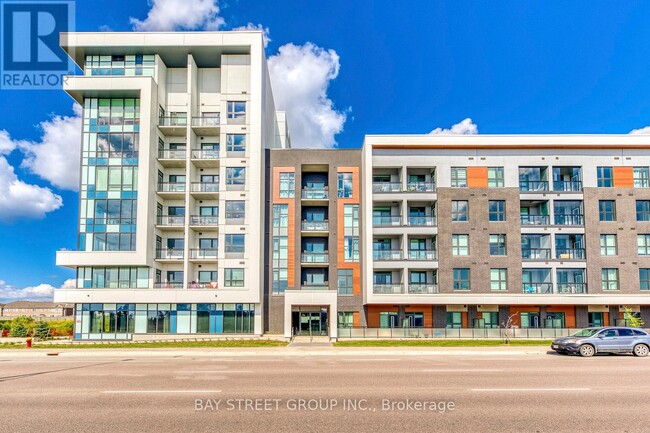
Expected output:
{"points": [[19, 330], [631, 318], [509, 324], [42, 330]]}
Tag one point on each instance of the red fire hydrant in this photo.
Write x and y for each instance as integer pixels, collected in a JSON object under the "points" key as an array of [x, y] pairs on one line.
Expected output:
{"points": [[29, 343]]}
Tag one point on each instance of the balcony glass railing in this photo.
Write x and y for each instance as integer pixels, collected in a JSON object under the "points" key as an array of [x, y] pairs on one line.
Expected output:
{"points": [[422, 255], [567, 185], [315, 286], [205, 154], [168, 285], [204, 220], [170, 220], [209, 121], [205, 186], [170, 254], [171, 187], [420, 187], [314, 194], [538, 288], [381, 187], [533, 185], [569, 219], [423, 289], [572, 288], [420, 221], [387, 289], [204, 253], [315, 226], [314, 257], [570, 253], [172, 153], [172, 121], [536, 253], [386, 221], [535, 220], [385, 255]]}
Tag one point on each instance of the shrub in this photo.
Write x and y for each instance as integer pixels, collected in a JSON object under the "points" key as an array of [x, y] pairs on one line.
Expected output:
{"points": [[19, 330], [5, 325], [41, 330], [61, 328]]}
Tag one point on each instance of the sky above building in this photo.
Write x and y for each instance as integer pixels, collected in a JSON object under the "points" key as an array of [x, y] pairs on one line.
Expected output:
{"points": [[341, 70]]}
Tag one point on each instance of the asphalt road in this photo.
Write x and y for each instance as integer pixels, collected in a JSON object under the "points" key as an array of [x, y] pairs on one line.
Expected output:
{"points": [[289, 390]]}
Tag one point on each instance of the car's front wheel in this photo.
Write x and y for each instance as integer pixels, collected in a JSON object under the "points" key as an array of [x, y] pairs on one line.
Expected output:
{"points": [[587, 350], [641, 350]]}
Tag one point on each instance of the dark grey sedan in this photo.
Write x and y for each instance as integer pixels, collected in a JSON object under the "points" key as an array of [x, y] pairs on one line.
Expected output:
{"points": [[590, 341]]}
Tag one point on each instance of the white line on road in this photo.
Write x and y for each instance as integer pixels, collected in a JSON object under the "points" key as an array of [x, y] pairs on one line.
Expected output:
{"points": [[462, 370], [162, 391], [371, 360], [211, 371], [530, 389]]}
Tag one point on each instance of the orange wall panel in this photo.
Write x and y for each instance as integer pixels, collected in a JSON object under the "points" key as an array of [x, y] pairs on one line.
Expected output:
{"points": [[623, 177], [477, 177], [569, 314]]}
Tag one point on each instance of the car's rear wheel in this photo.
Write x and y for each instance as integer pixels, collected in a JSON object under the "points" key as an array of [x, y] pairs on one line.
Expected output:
{"points": [[587, 350], [641, 350]]}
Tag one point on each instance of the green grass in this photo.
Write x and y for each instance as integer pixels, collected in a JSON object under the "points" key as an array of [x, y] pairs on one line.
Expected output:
{"points": [[154, 345], [439, 343]]}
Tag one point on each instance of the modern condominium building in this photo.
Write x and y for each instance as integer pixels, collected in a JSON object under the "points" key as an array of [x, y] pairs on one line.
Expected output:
{"points": [[196, 217]]}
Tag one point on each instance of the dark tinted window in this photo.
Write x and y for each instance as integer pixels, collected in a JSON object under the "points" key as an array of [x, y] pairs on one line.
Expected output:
{"points": [[625, 333], [639, 332], [609, 333]]}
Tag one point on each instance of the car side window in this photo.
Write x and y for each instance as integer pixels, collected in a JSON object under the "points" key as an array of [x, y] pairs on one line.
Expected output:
{"points": [[625, 333], [609, 333], [639, 332]]}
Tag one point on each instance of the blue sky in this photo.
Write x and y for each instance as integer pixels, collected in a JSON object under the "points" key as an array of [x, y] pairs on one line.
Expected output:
{"points": [[381, 67]]}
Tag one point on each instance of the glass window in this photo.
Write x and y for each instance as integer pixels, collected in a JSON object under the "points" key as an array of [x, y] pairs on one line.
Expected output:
{"points": [[607, 210], [236, 142], [609, 278], [235, 243], [644, 279], [497, 245], [498, 279], [345, 319], [641, 177], [233, 277], [351, 233], [460, 245], [495, 177], [605, 177], [235, 209], [235, 176], [497, 210], [345, 284], [459, 177], [608, 245], [236, 112], [461, 279], [287, 185], [459, 210], [643, 210], [454, 319], [643, 244], [280, 248], [345, 185]]}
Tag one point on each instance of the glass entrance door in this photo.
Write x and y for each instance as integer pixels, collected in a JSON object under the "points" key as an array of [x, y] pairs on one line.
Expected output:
{"points": [[310, 322]]}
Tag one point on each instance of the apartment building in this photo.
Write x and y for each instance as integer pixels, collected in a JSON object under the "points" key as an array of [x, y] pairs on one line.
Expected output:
{"points": [[471, 231], [175, 128], [196, 216]]}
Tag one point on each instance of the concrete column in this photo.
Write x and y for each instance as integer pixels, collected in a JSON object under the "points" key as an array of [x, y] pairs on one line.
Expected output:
{"points": [[542, 316], [504, 314], [645, 315], [582, 316], [613, 314], [401, 314], [472, 314], [439, 316]]}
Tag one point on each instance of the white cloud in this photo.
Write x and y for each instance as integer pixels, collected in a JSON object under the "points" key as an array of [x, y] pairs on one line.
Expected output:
{"points": [[22, 200], [258, 27], [170, 15], [56, 157], [300, 77], [640, 131], [42, 292], [464, 127]]}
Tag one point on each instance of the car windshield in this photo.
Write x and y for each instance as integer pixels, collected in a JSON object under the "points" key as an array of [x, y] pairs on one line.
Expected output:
{"points": [[586, 332]]}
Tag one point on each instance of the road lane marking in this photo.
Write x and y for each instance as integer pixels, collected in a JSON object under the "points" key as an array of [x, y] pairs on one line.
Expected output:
{"points": [[462, 370], [530, 389], [162, 391], [372, 360], [212, 371]]}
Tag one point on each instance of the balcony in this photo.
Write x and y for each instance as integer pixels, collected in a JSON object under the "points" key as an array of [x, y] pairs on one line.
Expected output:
{"points": [[172, 157], [421, 221], [538, 288], [173, 126], [536, 253], [170, 221], [173, 190], [387, 221], [205, 158], [386, 255], [535, 220], [572, 288], [170, 254], [387, 289], [567, 185], [569, 219], [204, 254], [422, 289], [422, 255], [205, 188], [420, 187], [204, 221], [325, 285], [570, 253], [314, 194], [206, 125], [314, 258], [533, 185], [386, 187], [315, 226], [168, 285]]}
